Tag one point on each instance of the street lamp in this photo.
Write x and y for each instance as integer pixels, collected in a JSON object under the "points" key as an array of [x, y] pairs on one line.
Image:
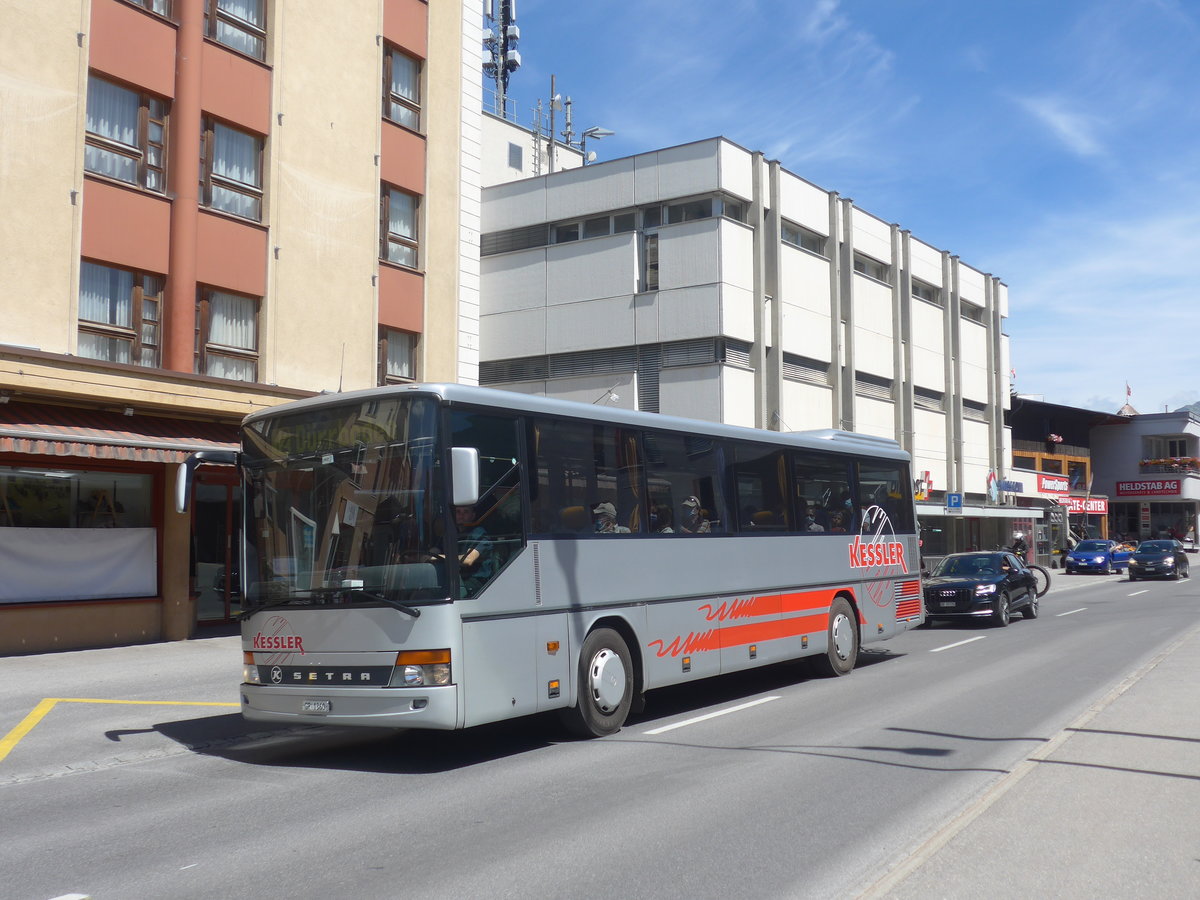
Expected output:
{"points": [[594, 132]]}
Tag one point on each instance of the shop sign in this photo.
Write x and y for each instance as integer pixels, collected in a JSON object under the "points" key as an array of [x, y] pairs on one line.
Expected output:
{"points": [[1149, 486], [1092, 506], [1013, 487], [1053, 484]]}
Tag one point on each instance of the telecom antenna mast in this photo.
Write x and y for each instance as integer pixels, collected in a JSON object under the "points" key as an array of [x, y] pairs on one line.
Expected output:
{"points": [[500, 55]]}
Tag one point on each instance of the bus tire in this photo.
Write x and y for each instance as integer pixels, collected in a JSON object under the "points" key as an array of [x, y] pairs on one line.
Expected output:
{"points": [[841, 650], [605, 686]]}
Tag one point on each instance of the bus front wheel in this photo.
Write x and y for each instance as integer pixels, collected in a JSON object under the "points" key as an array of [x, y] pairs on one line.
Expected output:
{"points": [[605, 686], [841, 652]]}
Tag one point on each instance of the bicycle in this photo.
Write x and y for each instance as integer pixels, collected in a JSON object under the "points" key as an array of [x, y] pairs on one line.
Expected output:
{"points": [[1040, 573]]}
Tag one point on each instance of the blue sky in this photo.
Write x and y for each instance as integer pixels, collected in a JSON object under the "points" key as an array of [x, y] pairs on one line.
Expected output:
{"points": [[1053, 143]]}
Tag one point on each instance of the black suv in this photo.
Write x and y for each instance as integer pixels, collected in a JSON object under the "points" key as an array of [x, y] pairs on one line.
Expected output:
{"points": [[991, 585]]}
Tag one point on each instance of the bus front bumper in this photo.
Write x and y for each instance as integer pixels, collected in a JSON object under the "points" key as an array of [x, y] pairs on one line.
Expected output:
{"points": [[423, 707]]}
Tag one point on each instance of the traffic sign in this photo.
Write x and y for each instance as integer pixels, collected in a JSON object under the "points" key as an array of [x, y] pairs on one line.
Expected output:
{"points": [[954, 501]]}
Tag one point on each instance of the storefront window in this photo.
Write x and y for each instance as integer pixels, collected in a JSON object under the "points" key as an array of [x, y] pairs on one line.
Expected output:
{"points": [[66, 498], [101, 541]]}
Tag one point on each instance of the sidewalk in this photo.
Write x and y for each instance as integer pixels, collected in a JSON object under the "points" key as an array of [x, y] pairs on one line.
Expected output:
{"points": [[1078, 819]]}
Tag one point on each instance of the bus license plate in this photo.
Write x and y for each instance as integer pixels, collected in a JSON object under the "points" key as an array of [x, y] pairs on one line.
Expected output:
{"points": [[315, 706]]}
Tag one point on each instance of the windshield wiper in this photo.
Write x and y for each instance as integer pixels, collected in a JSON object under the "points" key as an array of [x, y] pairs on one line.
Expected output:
{"points": [[307, 593], [273, 604]]}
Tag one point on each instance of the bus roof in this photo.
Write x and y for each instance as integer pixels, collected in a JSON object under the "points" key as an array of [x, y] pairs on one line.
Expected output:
{"points": [[824, 438]]}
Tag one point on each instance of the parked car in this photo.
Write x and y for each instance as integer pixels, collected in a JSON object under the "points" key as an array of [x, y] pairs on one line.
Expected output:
{"points": [[1101, 556], [990, 585], [1159, 559]]}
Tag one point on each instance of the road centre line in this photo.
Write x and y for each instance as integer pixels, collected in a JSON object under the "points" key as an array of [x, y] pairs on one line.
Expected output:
{"points": [[1135, 593], [959, 644], [10, 740], [1071, 612], [711, 715]]}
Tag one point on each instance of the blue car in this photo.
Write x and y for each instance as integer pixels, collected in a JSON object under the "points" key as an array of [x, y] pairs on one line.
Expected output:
{"points": [[1100, 556]]}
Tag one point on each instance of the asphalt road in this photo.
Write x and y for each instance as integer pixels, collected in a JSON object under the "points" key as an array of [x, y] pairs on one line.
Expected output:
{"points": [[798, 788]]}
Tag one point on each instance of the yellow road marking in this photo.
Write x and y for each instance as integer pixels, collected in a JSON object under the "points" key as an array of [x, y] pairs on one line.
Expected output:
{"points": [[40, 711]]}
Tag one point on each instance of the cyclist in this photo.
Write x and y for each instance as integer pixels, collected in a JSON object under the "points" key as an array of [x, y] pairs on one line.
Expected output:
{"points": [[1019, 547]]}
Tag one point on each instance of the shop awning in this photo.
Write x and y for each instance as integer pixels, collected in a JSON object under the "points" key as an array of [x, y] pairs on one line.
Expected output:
{"points": [[48, 430], [980, 512]]}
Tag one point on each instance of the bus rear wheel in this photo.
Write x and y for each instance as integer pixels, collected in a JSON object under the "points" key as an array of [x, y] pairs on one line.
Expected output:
{"points": [[605, 681], [841, 650]]}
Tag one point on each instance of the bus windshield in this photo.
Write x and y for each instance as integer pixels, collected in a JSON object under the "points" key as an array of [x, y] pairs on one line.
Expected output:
{"points": [[345, 505]]}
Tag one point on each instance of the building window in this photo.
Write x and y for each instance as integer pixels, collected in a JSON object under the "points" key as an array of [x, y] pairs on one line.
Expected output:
{"points": [[119, 314], [623, 222], [972, 313], [402, 89], [126, 134], [803, 238], [564, 234], [240, 25], [650, 262], [872, 268], [231, 169], [227, 335], [732, 209], [598, 227], [161, 7], [399, 226], [515, 157], [927, 292], [690, 211], [397, 356]]}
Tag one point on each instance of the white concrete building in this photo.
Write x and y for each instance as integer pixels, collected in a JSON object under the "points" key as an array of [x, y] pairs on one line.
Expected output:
{"points": [[704, 280]]}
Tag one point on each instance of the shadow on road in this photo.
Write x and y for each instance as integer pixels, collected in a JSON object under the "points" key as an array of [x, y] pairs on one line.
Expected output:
{"points": [[419, 752]]}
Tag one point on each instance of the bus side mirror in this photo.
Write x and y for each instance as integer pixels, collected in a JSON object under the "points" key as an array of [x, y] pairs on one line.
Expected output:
{"points": [[187, 469], [464, 475]]}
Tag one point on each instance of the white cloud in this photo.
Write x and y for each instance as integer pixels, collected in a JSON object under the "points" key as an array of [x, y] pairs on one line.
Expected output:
{"points": [[1076, 130]]}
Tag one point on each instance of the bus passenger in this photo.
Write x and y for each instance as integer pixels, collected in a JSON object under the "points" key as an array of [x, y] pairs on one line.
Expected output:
{"points": [[693, 522], [662, 519], [606, 519]]}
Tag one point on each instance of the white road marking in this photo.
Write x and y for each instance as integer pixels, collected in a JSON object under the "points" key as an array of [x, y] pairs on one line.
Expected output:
{"points": [[711, 715], [1135, 593], [1072, 612], [959, 644], [192, 866]]}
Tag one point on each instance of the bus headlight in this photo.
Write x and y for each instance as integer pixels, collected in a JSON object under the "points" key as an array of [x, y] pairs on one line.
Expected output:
{"points": [[249, 670], [421, 668]]}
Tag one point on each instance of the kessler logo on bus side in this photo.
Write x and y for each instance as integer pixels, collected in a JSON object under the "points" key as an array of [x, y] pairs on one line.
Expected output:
{"points": [[880, 553], [881, 549], [277, 635]]}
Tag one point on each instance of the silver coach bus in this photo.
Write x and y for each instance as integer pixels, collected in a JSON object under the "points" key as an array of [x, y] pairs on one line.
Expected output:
{"points": [[441, 556]]}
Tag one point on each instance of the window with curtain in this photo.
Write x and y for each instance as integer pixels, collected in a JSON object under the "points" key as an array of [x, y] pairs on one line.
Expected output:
{"points": [[231, 165], [227, 335], [126, 134], [162, 7], [397, 356], [402, 88], [240, 25], [119, 314], [399, 227]]}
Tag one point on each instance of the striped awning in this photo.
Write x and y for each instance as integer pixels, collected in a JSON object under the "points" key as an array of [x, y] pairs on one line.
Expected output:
{"points": [[47, 430]]}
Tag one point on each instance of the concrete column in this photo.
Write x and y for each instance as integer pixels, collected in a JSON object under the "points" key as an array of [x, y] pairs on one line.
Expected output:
{"points": [[835, 307], [758, 353], [772, 233], [179, 315], [845, 327]]}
